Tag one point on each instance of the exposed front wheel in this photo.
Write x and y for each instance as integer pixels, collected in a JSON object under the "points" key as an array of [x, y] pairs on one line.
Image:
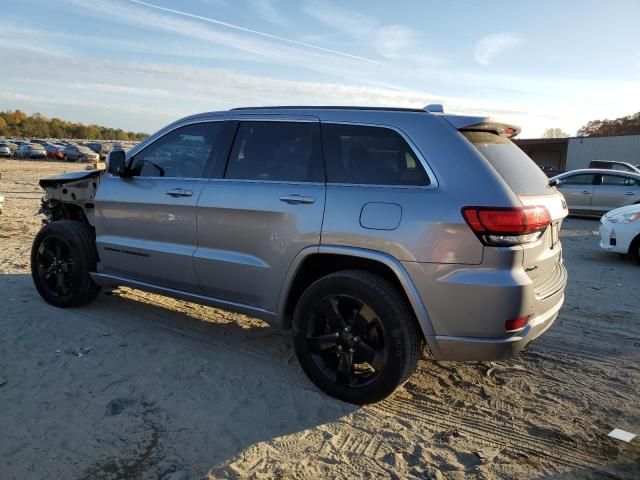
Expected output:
{"points": [[62, 256], [355, 337], [634, 249]]}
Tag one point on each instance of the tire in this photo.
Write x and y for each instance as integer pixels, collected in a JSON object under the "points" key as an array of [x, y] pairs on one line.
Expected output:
{"points": [[634, 249], [376, 346], [62, 256]]}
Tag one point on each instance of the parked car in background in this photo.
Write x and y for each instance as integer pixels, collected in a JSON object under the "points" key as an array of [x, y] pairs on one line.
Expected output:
{"points": [[614, 165], [11, 146], [351, 226], [54, 151], [79, 153], [593, 192], [5, 151], [31, 150], [39, 141], [100, 148], [620, 231]]}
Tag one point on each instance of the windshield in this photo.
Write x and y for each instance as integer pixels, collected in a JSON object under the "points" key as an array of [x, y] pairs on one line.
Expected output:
{"points": [[514, 166]]}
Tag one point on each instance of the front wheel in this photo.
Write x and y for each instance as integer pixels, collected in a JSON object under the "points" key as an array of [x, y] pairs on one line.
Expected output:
{"points": [[634, 249], [62, 256], [355, 336]]}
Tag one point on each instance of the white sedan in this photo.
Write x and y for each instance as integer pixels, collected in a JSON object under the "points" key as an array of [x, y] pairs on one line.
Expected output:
{"points": [[620, 231]]}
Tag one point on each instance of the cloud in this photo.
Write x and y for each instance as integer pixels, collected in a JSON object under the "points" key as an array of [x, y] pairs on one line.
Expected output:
{"points": [[393, 42], [266, 10], [127, 93], [491, 46], [253, 32], [353, 23]]}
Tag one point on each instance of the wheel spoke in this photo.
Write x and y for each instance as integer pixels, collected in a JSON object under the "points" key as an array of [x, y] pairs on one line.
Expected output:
{"points": [[344, 372], [370, 355], [60, 286], [67, 266], [329, 307], [47, 253], [364, 319], [47, 272], [321, 343], [58, 248]]}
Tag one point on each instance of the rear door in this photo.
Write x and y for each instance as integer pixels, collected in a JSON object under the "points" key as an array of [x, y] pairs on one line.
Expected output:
{"points": [[578, 192], [146, 223], [614, 191], [264, 210]]}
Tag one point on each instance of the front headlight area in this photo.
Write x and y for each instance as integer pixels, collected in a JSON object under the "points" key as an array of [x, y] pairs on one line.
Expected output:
{"points": [[625, 217]]}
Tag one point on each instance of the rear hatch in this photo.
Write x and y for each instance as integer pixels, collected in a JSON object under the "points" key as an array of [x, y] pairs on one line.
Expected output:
{"points": [[542, 259]]}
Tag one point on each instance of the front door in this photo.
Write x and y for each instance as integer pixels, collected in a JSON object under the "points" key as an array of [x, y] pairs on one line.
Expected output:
{"points": [[146, 222], [268, 207]]}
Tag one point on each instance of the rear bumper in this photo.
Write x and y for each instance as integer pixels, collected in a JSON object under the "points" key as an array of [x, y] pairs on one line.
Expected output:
{"points": [[473, 348]]}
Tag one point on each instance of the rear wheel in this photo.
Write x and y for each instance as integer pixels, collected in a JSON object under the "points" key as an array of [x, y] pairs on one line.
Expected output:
{"points": [[62, 256], [355, 337]]}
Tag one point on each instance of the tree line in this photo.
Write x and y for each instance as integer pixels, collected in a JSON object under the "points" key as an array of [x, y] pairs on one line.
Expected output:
{"points": [[629, 125], [618, 126], [20, 124]]}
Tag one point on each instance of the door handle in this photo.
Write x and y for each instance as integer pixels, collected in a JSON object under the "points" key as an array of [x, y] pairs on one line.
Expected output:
{"points": [[586, 192], [630, 193], [296, 199], [179, 192]]}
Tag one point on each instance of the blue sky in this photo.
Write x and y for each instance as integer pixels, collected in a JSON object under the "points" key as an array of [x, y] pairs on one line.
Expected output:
{"points": [[141, 64]]}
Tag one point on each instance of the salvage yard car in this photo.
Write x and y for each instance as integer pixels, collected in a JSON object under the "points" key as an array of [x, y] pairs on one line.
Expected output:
{"points": [[367, 231], [620, 231], [79, 153], [5, 151], [31, 150]]}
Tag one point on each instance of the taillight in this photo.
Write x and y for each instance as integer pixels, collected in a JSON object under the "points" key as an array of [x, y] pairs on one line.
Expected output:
{"points": [[500, 226], [516, 324]]}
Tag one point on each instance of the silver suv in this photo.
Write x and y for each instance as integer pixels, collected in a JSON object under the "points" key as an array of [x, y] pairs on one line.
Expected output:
{"points": [[367, 231]]}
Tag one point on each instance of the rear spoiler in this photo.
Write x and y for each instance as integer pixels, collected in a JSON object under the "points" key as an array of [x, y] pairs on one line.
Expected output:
{"points": [[482, 124]]}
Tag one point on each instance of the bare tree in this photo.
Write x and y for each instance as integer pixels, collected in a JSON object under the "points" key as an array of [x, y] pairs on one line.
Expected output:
{"points": [[555, 133]]}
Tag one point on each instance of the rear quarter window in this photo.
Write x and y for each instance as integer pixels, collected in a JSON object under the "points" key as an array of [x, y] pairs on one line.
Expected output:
{"points": [[514, 166], [370, 155]]}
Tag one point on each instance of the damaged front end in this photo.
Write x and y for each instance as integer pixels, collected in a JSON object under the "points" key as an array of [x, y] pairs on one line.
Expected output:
{"points": [[70, 196]]}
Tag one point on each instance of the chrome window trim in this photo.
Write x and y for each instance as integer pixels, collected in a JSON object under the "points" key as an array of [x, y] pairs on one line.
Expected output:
{"points": [[204, 179], [432, 177], [282, 182], [163, 133]]}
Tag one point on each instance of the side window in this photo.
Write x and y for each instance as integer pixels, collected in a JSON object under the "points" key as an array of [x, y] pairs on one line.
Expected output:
{"points": [[618, 180], [582, 179], [370, 155], [182, 153], [276, 151]]}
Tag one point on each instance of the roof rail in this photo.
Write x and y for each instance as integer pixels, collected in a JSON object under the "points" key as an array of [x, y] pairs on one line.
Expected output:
{"points": [[329, 107]]}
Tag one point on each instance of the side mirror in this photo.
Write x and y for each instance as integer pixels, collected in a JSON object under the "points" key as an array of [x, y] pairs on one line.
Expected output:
{"points": [[116, 162]]}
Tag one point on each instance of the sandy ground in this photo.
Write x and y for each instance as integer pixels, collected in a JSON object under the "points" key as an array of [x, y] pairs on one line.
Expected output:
{"points": [[141, 386]]}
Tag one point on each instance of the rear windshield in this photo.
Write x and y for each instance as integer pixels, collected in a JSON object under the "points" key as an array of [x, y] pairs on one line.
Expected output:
{"points": [[516, 168]]}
